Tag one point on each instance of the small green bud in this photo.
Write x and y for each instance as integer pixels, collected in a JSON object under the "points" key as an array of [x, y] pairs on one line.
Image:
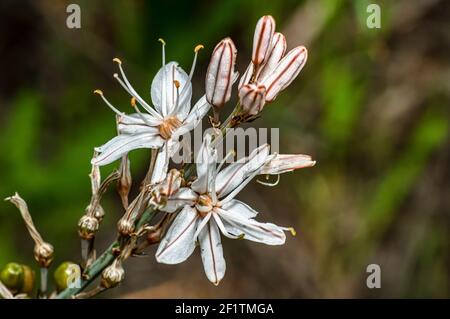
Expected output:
{"points": [[67, 274], [18, 278]]}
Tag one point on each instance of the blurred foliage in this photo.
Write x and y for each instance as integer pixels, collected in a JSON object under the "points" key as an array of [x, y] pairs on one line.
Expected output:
{"points": [[376, 194]]}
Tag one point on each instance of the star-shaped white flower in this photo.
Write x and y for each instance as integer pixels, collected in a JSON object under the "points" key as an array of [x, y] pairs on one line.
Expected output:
{"points": [[209, 208], [159, 127]]}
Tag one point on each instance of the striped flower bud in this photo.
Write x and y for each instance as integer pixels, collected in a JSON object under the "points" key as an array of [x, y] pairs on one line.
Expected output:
{"points": [[285, 72], [276, 53], [252, 98], [220, 74], [283, 163], [262, 39]]}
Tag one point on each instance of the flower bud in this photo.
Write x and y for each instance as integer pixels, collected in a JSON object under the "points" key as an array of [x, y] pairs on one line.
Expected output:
{"points": [[285, 72], [113, 275], [262, 39], [252, 98], [171, 184], [87, 227], [18, 278], [125, 226], [154, 237], [276, 53], [283, 163], [220, 74], [43, 253], [66, 275], [124, 183]]}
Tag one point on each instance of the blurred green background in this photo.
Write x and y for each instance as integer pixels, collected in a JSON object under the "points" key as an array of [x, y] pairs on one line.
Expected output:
{"points": [[371, 106]]}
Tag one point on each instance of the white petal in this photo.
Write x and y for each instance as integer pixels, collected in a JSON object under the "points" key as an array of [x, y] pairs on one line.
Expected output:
{"points": [[120, 145], [136, 125], [285, 72], [234, 174], [197, 113], [277, 51], [178, 244], [206, 164], [262, 39], [136, 119], [172, 72], [185, 196], [212, 252], [237, 207], [283, 163], [266, 233], [162, 161]]}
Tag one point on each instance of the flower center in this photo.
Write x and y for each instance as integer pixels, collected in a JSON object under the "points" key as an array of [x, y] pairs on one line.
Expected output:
{"points": [[204, 205], [167, 127]]}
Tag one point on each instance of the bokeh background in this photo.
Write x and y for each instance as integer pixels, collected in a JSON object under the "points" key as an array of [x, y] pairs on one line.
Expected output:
{"points": [[371, 105]]}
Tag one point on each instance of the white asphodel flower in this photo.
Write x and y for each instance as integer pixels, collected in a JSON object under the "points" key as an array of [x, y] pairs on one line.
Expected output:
{"points": [[159, 127], [209, 208]]}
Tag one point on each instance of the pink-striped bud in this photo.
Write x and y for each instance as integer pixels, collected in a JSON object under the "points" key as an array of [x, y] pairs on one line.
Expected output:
{"points": [[219, 77], [283, 163], [276, 53], [285, 72], [262, 39], [252, 98]]}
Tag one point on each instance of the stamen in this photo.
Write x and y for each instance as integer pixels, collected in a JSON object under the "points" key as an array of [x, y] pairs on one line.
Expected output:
{"points": [[163, 51], [177, 86], [163, 90], [127, 86], [99, 92], [134, 105], [292, 230], [197, 48], [271, 184]]}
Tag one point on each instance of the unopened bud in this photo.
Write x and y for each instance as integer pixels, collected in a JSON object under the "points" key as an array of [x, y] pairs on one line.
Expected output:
{"points": [[252, 98], [171, 184], [87, 227], [113, 275], [276, 53], [124, 183], [125, 226], [220, 74], [154, 236], [285, 72], [262, 40], [43, 253]]}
